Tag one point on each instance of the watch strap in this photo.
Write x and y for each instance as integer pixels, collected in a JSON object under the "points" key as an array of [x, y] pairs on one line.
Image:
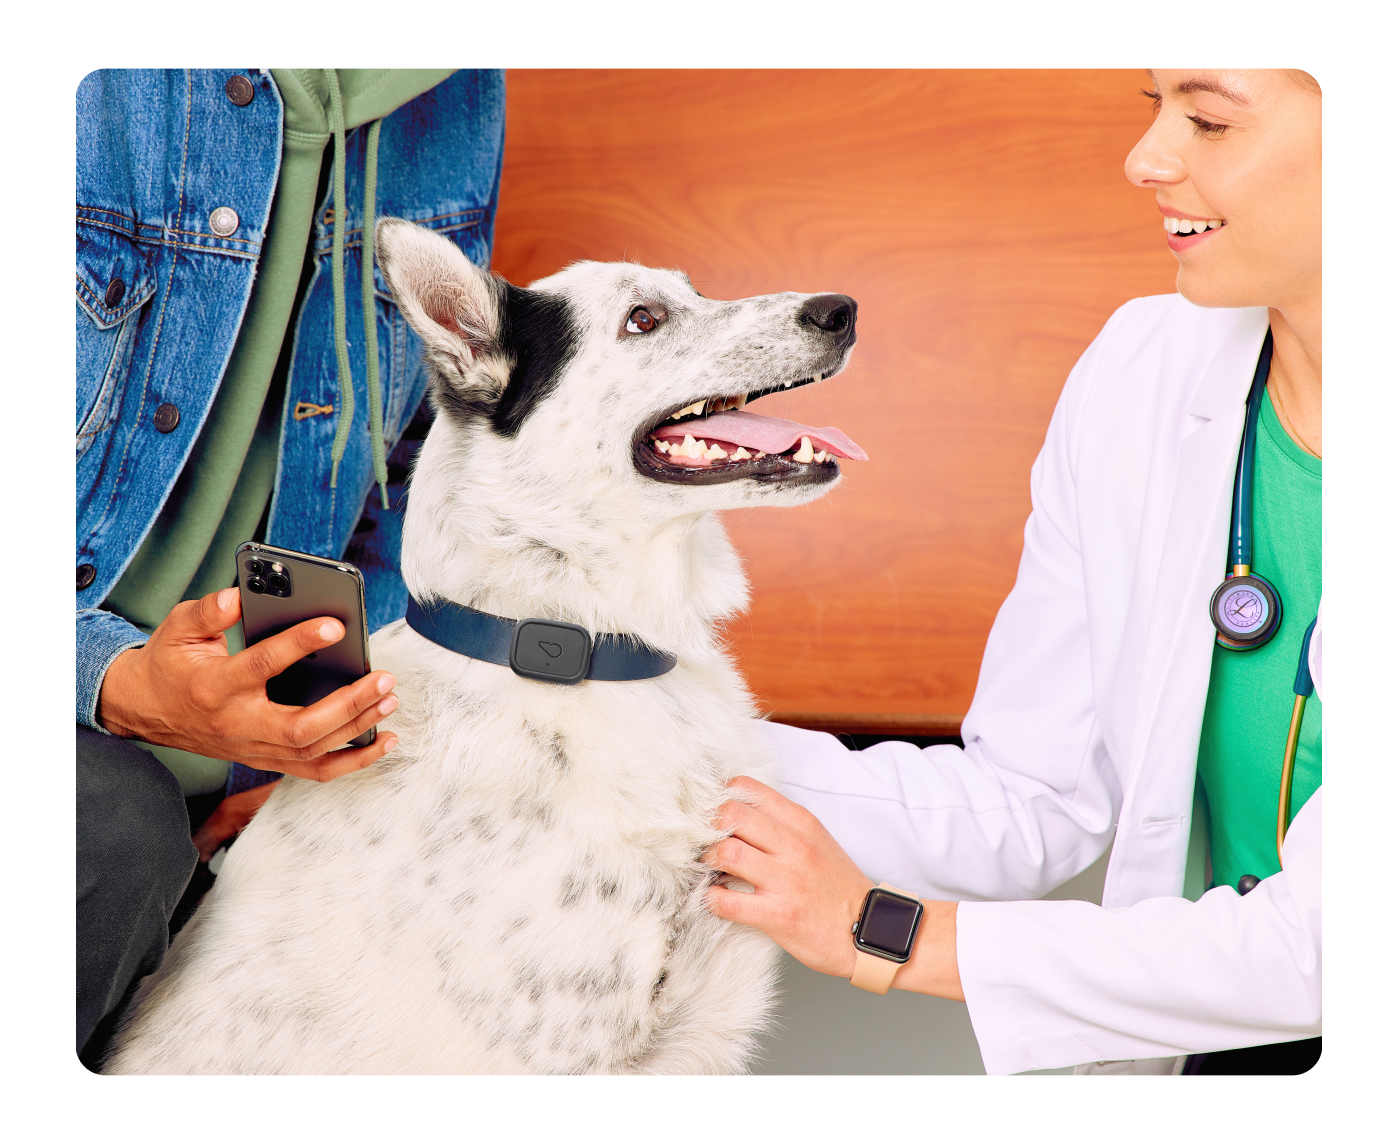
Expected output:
{"points": [[871, 972]]}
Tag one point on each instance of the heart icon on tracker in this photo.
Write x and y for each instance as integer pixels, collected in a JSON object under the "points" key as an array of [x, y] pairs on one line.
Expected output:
{"points": [[552, 650]]}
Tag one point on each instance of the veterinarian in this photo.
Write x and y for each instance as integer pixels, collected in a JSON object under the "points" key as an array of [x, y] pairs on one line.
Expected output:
{"points": [[229, 388], [1118, 678]]}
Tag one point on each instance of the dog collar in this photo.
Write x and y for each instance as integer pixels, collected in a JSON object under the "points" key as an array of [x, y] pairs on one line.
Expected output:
{"points": [[546, 650]]}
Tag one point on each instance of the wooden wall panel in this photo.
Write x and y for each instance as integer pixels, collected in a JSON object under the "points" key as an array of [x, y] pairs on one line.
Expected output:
{"points": [[983, 223]]}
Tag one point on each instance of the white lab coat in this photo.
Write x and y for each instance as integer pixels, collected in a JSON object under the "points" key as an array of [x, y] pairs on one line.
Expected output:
{"points": [[1085, 729]]}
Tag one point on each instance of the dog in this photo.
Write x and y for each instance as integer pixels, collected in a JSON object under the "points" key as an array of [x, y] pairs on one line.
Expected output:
{"points": [[518, 887]]}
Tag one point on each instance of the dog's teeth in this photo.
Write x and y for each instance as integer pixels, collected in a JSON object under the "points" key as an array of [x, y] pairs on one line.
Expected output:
{"points": [[740, 401], [740, 454], [661, 447], [819, 378], [821, 457], [805, 454], [787, 384], [759, 456], [716, 454]]}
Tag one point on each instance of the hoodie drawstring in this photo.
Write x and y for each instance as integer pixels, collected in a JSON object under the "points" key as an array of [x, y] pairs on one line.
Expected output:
{"points": [[337, 282]]}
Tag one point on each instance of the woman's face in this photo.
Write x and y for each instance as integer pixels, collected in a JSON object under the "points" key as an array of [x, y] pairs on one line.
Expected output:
{"points": [[1240, 149]]}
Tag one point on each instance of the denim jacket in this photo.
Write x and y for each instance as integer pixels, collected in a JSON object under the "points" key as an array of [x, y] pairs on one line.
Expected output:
{"points": [[161, 295]]}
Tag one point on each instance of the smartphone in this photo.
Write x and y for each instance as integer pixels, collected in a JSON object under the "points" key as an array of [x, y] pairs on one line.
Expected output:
{"points": [[279, 589]]}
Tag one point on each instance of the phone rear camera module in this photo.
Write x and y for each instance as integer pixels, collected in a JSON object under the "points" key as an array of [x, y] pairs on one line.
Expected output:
{"points": [[255, 585], [254, 567], [278, 584]]}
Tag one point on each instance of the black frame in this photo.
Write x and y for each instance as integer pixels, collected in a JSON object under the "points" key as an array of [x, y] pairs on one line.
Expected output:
{"points": [[870, 900], [543, 676]]}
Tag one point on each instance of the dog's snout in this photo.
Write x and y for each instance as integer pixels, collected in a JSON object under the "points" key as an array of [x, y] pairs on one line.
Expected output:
{"points": [[833, 313]]}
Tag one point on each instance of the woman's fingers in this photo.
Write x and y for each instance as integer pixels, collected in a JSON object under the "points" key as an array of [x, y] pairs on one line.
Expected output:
{"points": [[750, 824], [770, 802], [735, 906], [734, 856]]}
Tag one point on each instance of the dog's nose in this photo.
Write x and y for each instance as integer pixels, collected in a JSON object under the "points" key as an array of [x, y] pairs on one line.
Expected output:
{"points": [[833, 313]]}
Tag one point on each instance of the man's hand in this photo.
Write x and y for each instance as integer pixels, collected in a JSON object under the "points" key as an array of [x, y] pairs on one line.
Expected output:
{"points": [[183, 689], [233, 813], [809, 892]]}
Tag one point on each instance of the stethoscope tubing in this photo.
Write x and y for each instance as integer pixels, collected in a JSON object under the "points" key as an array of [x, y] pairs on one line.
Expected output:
{"points": [[1240, 527]]}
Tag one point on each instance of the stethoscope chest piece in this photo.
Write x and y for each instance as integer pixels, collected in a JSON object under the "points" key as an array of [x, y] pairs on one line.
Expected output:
{"points": [[1246, 612]]}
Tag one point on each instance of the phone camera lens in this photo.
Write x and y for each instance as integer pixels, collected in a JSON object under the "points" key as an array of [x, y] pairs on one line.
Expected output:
{"points": [[254, 567], [277, 582], [255, 585]]}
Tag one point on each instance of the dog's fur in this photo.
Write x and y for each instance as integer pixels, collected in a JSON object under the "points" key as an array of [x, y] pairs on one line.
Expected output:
{"points": [[517, 888]]}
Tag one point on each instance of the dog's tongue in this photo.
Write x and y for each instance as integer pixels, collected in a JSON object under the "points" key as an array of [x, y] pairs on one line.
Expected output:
{"points": [[762, 434]]}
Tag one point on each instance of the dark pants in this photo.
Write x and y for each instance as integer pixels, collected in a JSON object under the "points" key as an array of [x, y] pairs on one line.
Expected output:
{"points": [[134, 860]]}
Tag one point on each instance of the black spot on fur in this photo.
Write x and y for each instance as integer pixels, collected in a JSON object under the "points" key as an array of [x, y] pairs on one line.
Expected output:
{"points": [[571, 892], [538, 331]]}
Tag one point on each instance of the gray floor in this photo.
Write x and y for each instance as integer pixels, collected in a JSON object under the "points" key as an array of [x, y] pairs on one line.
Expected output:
{"points": [[826, 1026]]}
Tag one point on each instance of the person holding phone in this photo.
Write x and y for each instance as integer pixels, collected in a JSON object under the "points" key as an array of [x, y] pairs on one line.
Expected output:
{"points": [[1114, 682], [231, 387]]}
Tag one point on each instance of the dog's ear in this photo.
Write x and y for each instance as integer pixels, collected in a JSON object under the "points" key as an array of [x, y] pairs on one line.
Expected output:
{"points": [[452, 304]]}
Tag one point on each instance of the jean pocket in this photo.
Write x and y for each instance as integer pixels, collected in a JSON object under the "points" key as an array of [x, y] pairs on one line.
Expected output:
{"points": [[115, 282]]}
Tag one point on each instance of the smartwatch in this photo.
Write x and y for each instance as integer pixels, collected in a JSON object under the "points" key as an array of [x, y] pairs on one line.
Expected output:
{"points": [[884, 936]]}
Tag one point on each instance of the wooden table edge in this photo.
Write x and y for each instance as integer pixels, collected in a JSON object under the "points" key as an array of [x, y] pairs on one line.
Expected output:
{"points": [[942, 725]]}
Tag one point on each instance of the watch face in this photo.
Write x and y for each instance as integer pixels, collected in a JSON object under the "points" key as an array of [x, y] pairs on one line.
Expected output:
{"points": [[889, 923]]}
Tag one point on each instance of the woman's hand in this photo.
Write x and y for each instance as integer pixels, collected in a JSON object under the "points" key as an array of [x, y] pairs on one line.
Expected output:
{"points": [[183, 689], [809, 893]]}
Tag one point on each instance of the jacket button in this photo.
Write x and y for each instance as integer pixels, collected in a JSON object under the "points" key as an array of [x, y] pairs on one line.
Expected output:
{"points": [[239, 90], [167, 416], [223, 221], [86, 575], [116, 291]]}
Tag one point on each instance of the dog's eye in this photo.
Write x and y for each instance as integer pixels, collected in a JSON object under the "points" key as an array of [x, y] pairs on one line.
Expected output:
{"points": [[640, 321]]}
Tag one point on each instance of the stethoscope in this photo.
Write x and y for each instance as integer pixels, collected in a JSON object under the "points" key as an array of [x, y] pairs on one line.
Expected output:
{"points": [[1246, 609]]}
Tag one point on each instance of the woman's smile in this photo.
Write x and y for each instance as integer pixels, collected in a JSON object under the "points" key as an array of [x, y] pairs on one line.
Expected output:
{"points": [[1185, 232]]}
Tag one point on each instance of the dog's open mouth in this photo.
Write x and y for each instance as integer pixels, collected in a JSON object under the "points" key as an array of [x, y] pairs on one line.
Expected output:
{"points": [[715, 440]]}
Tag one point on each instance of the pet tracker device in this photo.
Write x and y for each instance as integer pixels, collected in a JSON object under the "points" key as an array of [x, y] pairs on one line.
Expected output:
{"points": [[550, 652]]}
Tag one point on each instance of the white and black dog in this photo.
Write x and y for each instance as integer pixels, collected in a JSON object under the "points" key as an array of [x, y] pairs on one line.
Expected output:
{"points": [[517, 888]]}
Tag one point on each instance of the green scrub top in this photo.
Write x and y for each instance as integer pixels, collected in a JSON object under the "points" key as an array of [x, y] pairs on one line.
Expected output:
{"points": [[1250, 698]]}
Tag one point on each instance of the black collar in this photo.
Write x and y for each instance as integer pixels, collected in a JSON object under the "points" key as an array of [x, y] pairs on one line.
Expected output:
{"points": [[546, 650]]}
